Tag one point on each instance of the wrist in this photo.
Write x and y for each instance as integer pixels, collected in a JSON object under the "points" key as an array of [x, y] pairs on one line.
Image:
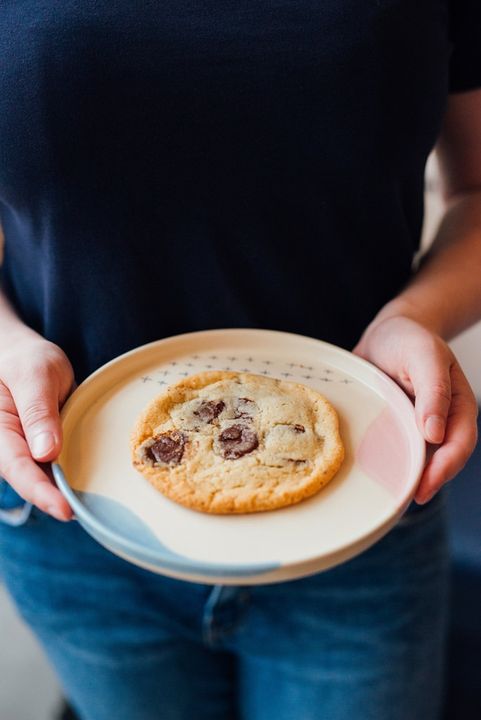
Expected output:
{"points": [[13, 332], [12, 328], [404, 307]]}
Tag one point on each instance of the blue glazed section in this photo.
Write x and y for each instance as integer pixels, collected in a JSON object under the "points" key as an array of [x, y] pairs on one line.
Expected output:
{"points": [[103, 517], [113, 515]]}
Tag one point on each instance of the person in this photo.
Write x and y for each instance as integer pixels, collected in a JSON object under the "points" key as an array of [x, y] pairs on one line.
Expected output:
{"points": [[171, 167]]}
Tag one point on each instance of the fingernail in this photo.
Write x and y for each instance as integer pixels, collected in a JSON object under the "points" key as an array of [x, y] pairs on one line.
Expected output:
{"points": [[42, 444], [56, 513], [434, 429]]}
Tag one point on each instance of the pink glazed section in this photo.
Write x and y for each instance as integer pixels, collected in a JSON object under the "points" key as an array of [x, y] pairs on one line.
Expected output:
{"points": [[384, 453]]}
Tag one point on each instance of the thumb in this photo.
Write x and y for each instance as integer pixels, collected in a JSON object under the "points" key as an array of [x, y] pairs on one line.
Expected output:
{"points": [[431, 382], [38, 409]]}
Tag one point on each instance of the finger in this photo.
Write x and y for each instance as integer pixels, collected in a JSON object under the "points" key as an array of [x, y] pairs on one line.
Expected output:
{"points": [[72, 389], [431, 381], [37, 401], [459, 442], [18, 468]]}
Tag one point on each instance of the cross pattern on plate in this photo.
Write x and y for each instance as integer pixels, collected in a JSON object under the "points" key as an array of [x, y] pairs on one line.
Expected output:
{"points": [[296, 372]]}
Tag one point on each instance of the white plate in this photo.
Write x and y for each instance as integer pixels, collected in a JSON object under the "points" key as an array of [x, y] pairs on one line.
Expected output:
{"points": [[385, 456]]}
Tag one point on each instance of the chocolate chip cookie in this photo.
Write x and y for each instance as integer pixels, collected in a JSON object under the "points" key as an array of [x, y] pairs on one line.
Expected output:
{"points": [[227, 442]]}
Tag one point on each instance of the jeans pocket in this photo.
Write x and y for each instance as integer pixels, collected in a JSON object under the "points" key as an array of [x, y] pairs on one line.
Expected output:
{"points": [[14, 511]]}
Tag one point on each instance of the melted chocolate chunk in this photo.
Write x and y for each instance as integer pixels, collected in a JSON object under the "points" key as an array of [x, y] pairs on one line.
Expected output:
{"points": [[209, 410], [167, 448], [237, 440], [299, 428], [244, 408]]}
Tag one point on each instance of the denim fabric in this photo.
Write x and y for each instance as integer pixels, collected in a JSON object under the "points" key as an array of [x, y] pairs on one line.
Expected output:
{"points": [[364, 640], [13, 510]]}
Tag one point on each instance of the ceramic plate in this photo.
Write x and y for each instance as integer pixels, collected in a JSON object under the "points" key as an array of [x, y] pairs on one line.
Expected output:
{"points": [[118, 507]]}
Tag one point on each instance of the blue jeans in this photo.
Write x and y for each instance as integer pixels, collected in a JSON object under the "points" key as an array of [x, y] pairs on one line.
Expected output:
{"points": [[363, 641]]}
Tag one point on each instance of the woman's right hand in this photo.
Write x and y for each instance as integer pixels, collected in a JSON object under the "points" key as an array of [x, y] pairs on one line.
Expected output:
{"points": [[36, 378]]}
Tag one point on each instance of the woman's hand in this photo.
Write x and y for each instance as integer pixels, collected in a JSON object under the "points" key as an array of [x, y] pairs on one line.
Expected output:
{"points": [[445, 406], [35, 379]]}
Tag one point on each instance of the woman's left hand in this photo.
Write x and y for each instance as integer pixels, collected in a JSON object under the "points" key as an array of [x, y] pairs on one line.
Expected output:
{"points": [[445, 406]]}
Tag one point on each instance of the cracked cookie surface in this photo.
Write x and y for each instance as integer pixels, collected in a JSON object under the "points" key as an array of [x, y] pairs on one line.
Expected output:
{"points": [[228, 442]]}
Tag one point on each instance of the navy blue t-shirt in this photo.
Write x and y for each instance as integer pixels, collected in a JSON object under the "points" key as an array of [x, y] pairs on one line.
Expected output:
{"points": [[176, 166]]}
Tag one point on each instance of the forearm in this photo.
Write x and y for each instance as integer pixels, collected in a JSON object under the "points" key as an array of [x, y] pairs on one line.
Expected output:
{"points": [[445, 293]]}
